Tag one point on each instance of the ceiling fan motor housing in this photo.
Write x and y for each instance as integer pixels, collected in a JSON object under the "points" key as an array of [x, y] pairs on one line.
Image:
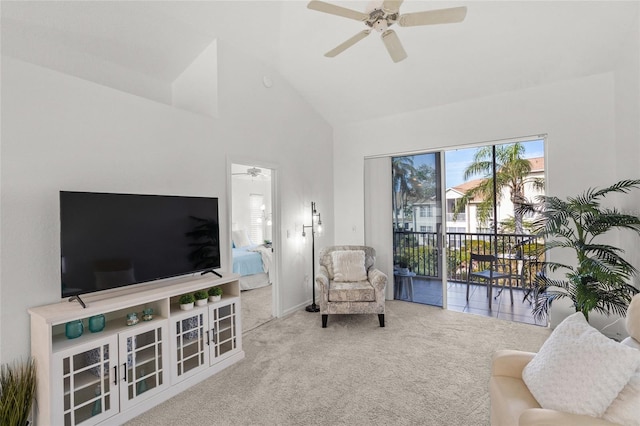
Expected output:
{"points": [[380, 20]]}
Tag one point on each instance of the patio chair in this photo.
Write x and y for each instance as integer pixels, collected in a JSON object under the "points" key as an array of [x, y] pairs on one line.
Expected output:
{"points": [[491, 270]]}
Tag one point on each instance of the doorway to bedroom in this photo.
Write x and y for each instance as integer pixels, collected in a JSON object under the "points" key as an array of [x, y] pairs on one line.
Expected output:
{"points": [[252, 249]]}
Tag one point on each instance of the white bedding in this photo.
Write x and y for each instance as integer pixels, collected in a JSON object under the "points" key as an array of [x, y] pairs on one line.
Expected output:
{"points": [[253, 263]]}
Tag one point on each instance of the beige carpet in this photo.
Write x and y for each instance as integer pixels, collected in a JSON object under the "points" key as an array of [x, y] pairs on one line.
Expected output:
{"points": [[428, 366], [257, 307]]}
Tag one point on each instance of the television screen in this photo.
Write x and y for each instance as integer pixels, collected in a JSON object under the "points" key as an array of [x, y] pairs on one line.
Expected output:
{"points": [[114, 240]]}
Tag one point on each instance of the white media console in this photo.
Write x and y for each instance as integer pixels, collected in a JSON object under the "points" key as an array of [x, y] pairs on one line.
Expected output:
{"points": [[111, 376]]}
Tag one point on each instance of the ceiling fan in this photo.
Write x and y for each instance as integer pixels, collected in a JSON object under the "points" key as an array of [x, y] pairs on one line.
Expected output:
{"points": [[251, 171], [384, 16]]}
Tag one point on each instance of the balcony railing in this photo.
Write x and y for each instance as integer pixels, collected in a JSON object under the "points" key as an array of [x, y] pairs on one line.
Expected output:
{"points": [[456, 217], [421, 250]]}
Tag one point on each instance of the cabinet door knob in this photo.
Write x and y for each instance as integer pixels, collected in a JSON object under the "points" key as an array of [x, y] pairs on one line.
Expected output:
{"points": [[115, 374]]}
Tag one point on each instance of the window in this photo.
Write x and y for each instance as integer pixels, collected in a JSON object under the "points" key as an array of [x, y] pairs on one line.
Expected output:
{"points": [[423, 228], [256, 206], [423, 211]]}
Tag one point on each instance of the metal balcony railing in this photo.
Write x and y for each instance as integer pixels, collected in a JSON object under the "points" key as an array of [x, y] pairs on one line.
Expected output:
{"points": [[421, 250]]}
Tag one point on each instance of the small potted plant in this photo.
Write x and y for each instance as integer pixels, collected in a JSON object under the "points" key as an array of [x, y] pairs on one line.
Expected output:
{"points": [[403, 263], [201, 297], [215, 293], [17, 392], [186, 301]]}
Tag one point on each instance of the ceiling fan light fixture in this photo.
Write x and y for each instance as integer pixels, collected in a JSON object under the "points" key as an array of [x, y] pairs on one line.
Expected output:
{"points": [[381, 25], [382, 15]]}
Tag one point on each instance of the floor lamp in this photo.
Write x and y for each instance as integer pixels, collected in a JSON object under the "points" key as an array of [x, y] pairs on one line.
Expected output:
{"points": [[314, 214]]}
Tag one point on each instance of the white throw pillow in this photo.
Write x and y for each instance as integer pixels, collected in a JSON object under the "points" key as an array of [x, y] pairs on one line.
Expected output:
{"points": [[625, 409], [579, 370], [240, 239], [348, 265]]}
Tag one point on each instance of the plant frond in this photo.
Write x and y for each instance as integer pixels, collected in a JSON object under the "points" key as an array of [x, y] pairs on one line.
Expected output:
{"points": [[622, 186]]}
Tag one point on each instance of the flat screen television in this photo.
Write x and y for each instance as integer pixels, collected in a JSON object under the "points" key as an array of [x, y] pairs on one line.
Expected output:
{"points": [[115, 240]]}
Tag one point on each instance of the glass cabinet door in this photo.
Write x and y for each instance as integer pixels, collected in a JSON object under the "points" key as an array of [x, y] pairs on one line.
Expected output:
{"points": [[223, 325], [189, 332], [142, 362], [89, 395]]}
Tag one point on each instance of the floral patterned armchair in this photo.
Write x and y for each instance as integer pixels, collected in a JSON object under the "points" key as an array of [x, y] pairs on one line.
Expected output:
{"points": [[349, 283]]}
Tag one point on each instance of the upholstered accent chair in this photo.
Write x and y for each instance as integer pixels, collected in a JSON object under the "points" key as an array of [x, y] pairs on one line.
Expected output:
{"points": [[349, 283]]}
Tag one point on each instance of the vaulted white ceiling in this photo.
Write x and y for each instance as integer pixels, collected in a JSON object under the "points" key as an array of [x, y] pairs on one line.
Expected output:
{"points": [[501, 46]]}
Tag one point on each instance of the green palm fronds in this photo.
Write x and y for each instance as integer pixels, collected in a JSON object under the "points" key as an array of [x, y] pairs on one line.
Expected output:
{"points": [[599, 279]]}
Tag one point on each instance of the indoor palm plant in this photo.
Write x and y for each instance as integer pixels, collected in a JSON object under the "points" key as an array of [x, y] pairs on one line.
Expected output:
{"points": [[599, 278], [17, 392]]}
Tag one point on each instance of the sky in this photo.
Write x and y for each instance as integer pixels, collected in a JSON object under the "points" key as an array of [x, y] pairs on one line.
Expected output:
{"points": [[456, 161]]}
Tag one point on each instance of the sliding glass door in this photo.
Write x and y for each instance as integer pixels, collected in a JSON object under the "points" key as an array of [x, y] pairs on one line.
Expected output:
{"points": [[418, 235]]}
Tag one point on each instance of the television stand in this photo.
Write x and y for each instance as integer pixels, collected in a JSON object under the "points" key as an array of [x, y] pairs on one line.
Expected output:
{"points": [[109, 376], [77, 297], [211, 271]]}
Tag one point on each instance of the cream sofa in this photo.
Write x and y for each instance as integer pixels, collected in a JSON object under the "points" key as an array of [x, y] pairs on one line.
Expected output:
{"points": [[512, 403]]}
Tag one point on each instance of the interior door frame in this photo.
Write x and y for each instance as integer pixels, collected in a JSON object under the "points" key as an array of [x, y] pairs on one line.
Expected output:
{"points": [[276, 302]]}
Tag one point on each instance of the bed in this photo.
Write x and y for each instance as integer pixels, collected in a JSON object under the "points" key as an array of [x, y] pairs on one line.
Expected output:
{"points": [[251, 261]]}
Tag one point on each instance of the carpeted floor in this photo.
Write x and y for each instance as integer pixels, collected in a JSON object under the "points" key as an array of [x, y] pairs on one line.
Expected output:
{"points": [[257, 307], [428, 366]]}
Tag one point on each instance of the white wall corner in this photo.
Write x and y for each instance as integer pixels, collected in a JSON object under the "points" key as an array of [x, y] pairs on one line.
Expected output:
{"points": [[196, 89]]}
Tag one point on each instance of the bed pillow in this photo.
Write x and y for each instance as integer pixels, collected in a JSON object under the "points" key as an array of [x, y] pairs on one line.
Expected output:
{"points": [[348, 265], [240, 238], [579, 370]]}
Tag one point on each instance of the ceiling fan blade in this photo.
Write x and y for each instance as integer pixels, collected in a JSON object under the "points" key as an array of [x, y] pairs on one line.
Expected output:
{"points": [[391, 6], [321, 6], [347, 44], [433, 17], [392, 42]]}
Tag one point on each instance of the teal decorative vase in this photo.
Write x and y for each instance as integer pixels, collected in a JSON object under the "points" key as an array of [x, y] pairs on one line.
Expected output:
{"points": [[73, 329], [96, 323]]}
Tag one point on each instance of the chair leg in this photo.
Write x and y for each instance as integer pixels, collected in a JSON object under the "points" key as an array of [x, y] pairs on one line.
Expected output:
{"points": [[467, 288], [381, 319], [324, 320], [490, 290]]}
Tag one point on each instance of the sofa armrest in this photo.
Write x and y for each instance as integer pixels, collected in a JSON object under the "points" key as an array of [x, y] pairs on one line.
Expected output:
{"points": [[510, 363], [322, 279], [377, 278], [543, 417]]}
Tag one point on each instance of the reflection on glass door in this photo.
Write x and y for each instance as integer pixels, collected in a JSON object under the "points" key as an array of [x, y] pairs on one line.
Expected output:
{"points": [[417, 229]]}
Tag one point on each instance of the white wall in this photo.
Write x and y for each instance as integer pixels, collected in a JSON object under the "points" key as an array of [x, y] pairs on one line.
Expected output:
{"points": [[627, 127], [61, 132]]}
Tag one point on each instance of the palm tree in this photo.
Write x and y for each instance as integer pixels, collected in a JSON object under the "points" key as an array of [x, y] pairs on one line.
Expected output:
{"points": [[512, 172], [411, 185], [403, 170], [599, 281]]}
